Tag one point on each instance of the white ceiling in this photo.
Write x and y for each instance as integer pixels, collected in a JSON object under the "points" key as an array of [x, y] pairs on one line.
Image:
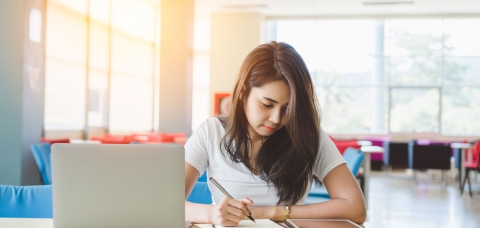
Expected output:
{"points": [[335, 8]]}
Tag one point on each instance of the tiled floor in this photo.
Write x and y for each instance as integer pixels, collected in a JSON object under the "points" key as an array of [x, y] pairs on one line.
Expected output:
{"points": [[396, 201]]}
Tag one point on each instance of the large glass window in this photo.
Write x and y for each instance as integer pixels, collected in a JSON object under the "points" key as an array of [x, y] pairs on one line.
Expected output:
{"points": [[395, 75], [340, 55], [65, 65], [100, 64], [201, 72]]}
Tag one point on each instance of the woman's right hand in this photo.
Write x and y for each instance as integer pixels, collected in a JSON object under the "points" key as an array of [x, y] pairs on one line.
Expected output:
{"points": [[229, 212]]}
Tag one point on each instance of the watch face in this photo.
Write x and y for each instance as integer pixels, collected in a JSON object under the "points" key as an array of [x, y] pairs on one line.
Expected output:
{"points": [[286, 211]]}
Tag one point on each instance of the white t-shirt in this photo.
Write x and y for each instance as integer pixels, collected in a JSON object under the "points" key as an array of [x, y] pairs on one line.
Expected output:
{"points": [[204, 152]]}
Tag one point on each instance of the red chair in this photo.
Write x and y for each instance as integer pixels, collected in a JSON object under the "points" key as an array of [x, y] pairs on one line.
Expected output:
{"points": [[471, 166], [147, 137], [342, 145], [112, 139], [474, 154], [57, 140], [170, 137]]}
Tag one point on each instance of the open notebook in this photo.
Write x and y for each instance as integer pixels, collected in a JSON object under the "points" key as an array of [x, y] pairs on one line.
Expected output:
{"points": [[265, 223], [317, 223]]}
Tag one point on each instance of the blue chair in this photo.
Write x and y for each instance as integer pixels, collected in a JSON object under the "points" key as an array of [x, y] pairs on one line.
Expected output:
{"points": [[200, 194], [41, 153], [26, 201], [203, 178], [354, 159]]}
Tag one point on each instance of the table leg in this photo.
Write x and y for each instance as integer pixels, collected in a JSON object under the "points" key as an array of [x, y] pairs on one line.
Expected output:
{"points": [[462, 167], [366, 175]]}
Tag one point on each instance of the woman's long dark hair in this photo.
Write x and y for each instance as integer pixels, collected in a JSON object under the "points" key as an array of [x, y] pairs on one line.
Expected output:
{"points": [[287, 157]]}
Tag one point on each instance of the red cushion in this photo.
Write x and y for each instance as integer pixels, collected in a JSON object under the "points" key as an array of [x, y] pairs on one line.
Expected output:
{"points": [[112, 139], [471, 165], [59, 140], [147, 137], [170, 137], [342, 145]]}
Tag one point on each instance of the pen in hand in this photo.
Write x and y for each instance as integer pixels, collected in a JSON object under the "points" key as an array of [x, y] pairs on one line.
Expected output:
{"points": [[229, 196]]}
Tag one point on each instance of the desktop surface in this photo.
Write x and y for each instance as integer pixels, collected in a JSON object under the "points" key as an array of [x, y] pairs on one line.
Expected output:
{"points": [[48, 223]]}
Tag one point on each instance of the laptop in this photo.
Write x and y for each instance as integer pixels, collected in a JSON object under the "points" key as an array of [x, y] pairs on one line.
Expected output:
{"points": [[134, 185]]}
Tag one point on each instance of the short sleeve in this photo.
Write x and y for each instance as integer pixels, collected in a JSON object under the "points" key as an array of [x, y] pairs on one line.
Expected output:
{"points": [[196, 148], [328, 156]]}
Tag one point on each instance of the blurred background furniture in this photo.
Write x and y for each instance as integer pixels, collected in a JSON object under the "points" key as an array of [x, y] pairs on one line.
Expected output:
{"points": [[430, 155], [200, 194], [471, 165], [395, 155], [462, 152], [26, 201], [342, 145], [56, 140], [203, 178], [368, 150], [41, 154], [112, 139], [142, 138], [376, 159]]}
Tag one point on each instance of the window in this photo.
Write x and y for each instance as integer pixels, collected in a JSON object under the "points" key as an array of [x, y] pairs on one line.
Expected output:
{"points": [[340, 55], [65, 65], [396, 75], [201, 72], [103, 52]]}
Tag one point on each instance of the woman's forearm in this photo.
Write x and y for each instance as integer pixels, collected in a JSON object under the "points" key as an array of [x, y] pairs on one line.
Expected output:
{"points": [[332, 209], [273, 213], [198, 213]]}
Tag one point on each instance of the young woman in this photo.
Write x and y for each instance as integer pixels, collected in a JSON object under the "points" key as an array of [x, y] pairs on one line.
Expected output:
{"points": [[267, 150]]}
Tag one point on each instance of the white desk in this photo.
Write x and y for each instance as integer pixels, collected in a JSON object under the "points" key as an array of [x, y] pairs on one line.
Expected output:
{"points": [[84, 141], [25, 222], [464, 147], [34, 223], [367, 150], [364, 143]]}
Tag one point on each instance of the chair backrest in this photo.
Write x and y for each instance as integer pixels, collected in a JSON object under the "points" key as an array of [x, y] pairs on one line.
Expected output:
{"points": [[56, 140], [26, 201], [476, 150], [170, 137], [41, 153], [354, 158], [200, 194], [395, 154], [432, 156], [203, 178]]}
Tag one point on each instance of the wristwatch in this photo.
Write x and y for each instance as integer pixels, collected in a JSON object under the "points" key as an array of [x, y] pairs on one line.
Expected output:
{"points": [[286, 211]]}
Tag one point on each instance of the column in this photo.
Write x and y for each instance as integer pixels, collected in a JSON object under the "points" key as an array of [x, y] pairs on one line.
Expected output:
{"points": [[22, 47], [176, 48]]}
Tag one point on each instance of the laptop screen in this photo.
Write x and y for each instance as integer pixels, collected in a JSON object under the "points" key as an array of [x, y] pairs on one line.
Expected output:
{"points": [[98, 185]]}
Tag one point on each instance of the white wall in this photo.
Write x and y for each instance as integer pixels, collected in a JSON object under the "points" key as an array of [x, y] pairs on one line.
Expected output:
{"points": [[233, 36]]}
